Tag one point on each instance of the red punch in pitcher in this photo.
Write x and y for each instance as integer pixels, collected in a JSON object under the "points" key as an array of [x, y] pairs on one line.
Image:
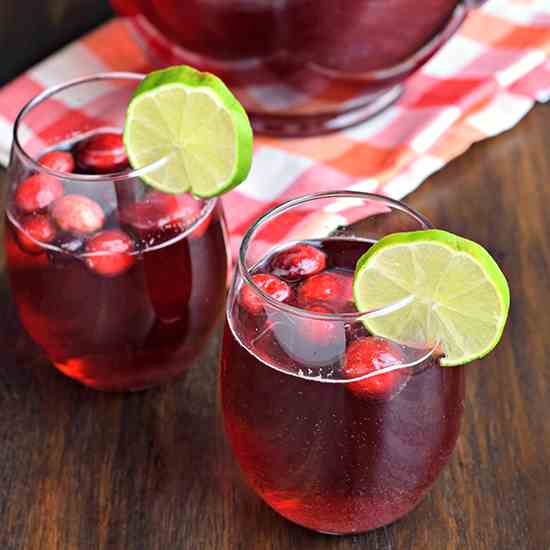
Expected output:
{"points": [[301, 67]]}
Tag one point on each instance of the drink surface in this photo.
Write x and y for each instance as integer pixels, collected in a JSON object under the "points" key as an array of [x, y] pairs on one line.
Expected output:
{"points": [[337, 457], [128, 302]]}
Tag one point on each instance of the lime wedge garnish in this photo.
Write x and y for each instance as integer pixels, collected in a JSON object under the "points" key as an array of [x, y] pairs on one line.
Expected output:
{"points": [[452, 293], [191, 130]]}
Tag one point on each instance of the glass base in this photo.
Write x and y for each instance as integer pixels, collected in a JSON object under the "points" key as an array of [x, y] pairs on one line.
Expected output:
{"points": [[359, 532], [127, 385], [311, 125]]}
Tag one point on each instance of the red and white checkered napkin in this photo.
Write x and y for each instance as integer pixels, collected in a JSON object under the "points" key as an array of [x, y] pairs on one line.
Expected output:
{"points": [[480, 84]]}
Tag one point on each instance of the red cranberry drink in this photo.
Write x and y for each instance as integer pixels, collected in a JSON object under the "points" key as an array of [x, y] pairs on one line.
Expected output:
{"points": [[118, 271], [334, 457], [349, 35], [337, 402], [299, 66], [77, 255]]}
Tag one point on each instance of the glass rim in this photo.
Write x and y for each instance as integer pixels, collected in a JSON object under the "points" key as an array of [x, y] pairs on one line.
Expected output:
{"points": [[208, 203], [292, 203], [52, 91]]}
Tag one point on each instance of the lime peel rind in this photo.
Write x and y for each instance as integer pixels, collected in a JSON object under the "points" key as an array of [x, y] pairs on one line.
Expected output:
{"points": [[425, 292], [190, 81]]}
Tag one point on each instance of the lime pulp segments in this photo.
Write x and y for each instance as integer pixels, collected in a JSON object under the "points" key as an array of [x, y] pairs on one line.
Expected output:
{"points": [[454, 293], [189, 129]]}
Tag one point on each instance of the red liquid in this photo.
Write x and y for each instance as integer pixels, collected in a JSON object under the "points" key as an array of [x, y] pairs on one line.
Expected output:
{"points": [[325, 49], [128, 330], [325, 457], [355, 35]]}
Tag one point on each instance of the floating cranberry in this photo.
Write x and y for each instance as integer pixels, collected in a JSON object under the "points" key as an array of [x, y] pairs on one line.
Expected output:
{"points": [[60, 161], [35, 230], [102, 153], [78, 214], [298, 261], [188, 210], [201, 227], [330, 287], [320, 332], [37, 192], [251, 299], [160, 210], [109, 253], [371, 354]]}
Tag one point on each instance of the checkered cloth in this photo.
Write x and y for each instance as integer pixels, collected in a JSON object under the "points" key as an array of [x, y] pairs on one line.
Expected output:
{"points": [[481, 83]]}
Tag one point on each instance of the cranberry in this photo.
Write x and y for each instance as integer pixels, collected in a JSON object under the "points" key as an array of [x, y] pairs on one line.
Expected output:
{"points": [[298, 261], [102, 153], [201, 227], [322, 333], [253, 302], [37, 192], [371, 354], [160, 210], [109, 252], [35, 228], [188, 210], [60, 161], [330, 287], [78, 214]]}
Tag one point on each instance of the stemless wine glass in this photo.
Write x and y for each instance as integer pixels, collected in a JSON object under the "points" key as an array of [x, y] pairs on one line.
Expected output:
{"points": [[300, 67], [337, 430], [118, 283]]}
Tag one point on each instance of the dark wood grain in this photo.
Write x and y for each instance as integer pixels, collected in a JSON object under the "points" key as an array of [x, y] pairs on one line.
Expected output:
{"points": [[85, 470], [32, 29]]}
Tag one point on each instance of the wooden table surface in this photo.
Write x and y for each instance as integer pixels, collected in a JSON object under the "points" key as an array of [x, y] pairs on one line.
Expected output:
{"points": [[85, 470]]}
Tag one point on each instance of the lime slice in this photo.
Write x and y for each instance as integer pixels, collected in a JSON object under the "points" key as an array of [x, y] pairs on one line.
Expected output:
{"points": [[191, 129], [451, 292]]}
